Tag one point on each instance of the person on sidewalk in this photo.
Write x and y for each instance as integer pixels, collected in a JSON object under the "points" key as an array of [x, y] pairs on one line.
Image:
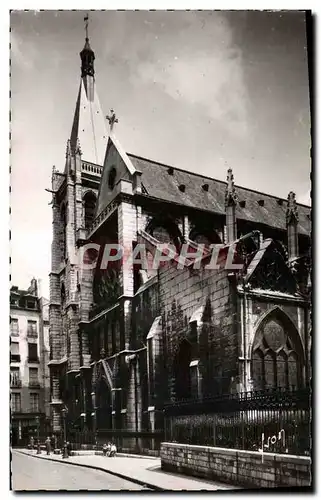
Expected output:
{"points": [[32, 443], [48, 445], [105, 449], [113, 450], [68, 448]]}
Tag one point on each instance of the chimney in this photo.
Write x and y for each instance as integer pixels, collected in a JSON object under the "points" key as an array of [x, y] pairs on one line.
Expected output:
{"points": [[230, 205], [292, 219]]}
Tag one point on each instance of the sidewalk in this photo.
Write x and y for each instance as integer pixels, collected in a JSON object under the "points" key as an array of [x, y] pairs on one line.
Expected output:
{"points": [[141, 470]]}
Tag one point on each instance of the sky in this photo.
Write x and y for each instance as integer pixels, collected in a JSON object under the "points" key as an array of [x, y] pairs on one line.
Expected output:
{"points": [[203, 91]]}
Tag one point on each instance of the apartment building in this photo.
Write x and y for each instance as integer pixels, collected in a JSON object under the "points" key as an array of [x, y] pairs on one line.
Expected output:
{"points": [[29, 355]]}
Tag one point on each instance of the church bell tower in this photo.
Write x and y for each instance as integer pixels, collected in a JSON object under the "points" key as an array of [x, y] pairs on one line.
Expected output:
{"points": [[74, 195]]}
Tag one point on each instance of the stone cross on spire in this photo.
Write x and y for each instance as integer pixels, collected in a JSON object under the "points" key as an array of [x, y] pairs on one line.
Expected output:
{"points": [[112, 119]]}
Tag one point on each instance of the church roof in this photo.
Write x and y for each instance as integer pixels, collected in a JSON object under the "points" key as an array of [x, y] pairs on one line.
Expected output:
{"points": [[89, 126], [171, 184]]}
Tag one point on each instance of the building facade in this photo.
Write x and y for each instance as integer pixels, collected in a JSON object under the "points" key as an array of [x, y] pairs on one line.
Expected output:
{"points": [[29, 356], [125, 338]]}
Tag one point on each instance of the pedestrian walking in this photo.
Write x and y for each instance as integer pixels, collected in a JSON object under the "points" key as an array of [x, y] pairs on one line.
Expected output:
{"points": [[32, 442], [48, 445]]}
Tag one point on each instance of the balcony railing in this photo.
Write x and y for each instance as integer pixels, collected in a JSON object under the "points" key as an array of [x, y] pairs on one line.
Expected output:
{"points": [[31, 409], [15, 381], [15, 358]]}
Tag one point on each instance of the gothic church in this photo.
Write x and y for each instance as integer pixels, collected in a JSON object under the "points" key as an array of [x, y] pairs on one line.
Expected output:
{"points": [[125, 340]]}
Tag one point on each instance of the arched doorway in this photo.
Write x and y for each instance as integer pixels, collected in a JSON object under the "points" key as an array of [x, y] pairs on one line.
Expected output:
{"points": [[182, 371], [277, 355]]}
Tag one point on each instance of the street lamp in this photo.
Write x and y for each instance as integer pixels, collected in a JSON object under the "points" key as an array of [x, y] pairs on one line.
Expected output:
{"points": [[64, 450], [94, 426], [38, 435]]}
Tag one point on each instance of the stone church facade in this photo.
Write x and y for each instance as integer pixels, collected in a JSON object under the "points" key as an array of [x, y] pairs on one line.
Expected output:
{"points": [[126, 339]]}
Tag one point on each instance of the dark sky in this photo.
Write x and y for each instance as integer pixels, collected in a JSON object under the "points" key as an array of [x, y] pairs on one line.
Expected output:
{"points": [[203, 91]]}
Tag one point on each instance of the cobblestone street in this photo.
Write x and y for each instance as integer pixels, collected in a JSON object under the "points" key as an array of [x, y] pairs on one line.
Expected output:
{"points": [[30, 473]]}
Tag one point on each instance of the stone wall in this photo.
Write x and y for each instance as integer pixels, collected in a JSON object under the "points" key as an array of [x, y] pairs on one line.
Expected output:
{"points": [[215, 342], [245, 468]]}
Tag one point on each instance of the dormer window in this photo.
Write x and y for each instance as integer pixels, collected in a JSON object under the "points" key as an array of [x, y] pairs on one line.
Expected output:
{"points": [[205, 187], [261, 203], [170, 171], [112, 178], [280, 202], [181, 187], [242, 203]]}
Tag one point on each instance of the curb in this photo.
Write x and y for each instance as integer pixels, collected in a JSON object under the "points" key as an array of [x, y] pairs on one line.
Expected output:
{"points": [[128, 455], [117, 474]]}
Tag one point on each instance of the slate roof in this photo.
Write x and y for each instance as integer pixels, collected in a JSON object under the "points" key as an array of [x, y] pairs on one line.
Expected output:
{"points": [[16, 291], [159, 184]]}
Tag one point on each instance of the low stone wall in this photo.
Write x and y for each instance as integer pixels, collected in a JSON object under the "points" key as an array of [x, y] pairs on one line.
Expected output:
{"points": [[242, 467]]}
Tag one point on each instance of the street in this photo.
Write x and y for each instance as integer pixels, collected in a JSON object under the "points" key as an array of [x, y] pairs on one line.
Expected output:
{"points": [[31, 473]]}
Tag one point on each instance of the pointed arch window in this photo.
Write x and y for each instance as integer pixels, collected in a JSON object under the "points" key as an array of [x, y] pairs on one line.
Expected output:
{"points": [[89, 208], [258, 368], [293, 366], [282, 369], [269, 370], [277, 356], [165, 231]]}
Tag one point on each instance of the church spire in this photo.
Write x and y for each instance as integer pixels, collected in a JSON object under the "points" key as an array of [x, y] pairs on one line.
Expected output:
{"points": [[88, 133], [87, 55]]}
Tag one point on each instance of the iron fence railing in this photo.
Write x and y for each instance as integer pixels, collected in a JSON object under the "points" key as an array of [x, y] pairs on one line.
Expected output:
{"points": [[278, 420]]}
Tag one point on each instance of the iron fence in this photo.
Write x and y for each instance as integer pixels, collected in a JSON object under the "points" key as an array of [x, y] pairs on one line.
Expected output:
{"points": [[81, 439], [280, 421]]}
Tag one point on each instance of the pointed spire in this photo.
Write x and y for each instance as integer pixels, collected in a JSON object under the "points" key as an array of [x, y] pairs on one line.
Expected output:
{"points": [[87, 55], [292, 214], [230, 193]]}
